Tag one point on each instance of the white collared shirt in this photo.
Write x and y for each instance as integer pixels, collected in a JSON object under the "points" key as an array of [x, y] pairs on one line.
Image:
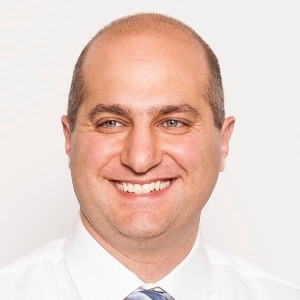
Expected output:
{"points": [[79, 268]]}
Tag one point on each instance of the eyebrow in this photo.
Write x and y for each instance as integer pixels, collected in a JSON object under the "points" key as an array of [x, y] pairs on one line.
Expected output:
{"points": [[182, 108], [112, 108], [158, 110]]}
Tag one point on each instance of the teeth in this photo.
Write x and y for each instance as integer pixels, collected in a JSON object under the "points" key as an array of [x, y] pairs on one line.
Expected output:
{"points": [[152, 186], [146, 188], [137, 189], [157, 185], [130, 187], [142, 189]]}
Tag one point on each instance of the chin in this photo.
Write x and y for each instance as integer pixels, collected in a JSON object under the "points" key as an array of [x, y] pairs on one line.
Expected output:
{"points": [[142, 228]]}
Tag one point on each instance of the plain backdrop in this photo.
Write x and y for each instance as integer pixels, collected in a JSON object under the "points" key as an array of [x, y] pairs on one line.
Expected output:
{"points": [[254, 210]]}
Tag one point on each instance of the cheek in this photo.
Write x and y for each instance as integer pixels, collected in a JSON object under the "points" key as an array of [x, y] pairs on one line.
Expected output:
{"points": [[92, 151], [89, 156], [200, 159], [195, 154]]}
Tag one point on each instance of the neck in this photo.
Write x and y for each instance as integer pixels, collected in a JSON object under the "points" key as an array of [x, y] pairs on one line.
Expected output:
{"points": [[152, 259]]}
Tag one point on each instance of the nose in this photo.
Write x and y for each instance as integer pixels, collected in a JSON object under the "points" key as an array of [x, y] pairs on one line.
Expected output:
{"points": [[141, 150]]}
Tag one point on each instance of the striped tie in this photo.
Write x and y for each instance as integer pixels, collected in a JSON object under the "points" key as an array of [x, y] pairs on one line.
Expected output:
{"points": [[141, 294]]}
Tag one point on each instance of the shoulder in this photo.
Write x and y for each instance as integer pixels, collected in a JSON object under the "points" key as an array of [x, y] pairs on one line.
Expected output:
{"points": [[30, 274], [51, 252], [241, 277]]}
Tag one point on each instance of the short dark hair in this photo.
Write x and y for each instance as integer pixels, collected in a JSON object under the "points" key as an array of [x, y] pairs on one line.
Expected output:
{"points": [[149, 22]]}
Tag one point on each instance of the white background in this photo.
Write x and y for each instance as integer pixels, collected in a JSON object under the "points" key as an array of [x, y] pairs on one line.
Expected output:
{"points": [[254, 211]]}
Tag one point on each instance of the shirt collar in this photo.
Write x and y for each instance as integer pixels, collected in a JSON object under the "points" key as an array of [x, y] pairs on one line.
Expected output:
{"points": [[192, 278], [98, 275]]}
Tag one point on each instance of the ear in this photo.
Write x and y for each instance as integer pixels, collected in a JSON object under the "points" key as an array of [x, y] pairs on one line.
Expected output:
{"points": [[226, 132], [67, 133]]}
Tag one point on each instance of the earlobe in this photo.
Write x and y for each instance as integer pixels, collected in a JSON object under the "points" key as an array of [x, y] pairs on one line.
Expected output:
{"points": [[223, 163], [226, 133], [67, 133]]}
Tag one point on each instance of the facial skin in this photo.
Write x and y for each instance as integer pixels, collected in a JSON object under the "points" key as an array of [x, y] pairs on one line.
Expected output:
{"points": [[145, 119]]}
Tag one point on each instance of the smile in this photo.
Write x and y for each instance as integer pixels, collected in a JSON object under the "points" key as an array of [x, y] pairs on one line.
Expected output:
{"points": [[142, 188]]}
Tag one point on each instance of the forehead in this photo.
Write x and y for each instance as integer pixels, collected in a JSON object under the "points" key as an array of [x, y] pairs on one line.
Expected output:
{"points": [[145, 65]]}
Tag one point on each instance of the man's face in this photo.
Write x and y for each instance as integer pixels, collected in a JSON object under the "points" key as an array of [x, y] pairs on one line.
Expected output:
{"points": [[145, 153]]}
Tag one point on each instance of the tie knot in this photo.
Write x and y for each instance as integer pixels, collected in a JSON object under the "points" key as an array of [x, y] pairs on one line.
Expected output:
{"points": [[142, 294]]}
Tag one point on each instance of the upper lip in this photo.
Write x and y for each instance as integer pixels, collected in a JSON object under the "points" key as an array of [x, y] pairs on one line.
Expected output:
{"points": [[144, 181], [141, 182]]}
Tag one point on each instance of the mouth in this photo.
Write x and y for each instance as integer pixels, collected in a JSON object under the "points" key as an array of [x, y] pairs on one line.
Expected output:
{"points": [[146, 188]]}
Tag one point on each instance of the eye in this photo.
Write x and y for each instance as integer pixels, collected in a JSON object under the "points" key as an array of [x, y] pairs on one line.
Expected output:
{"points": [[110, 123], [173, 123], [175, 126], [110, 126]]}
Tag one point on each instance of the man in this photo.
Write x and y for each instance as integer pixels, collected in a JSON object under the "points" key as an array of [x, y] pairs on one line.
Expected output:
{"points": [[147, 136]]}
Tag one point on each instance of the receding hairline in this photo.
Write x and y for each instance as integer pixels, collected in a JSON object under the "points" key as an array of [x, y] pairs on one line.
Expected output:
{"points": [[143, 24], [147, 23], [151, 24]]}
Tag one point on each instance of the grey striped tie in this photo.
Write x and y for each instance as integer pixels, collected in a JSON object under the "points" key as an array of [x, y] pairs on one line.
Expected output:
{"points": [[141, 294]]}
